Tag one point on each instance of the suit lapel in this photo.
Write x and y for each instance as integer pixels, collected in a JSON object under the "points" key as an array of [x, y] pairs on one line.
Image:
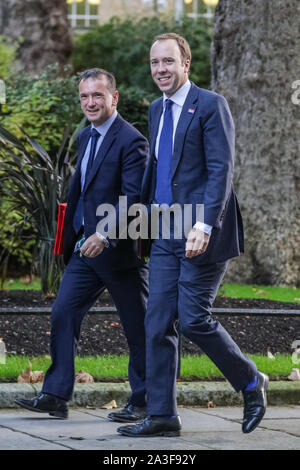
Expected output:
{"points": [[76, 179], [84, 139], [155, 118], [103, 150], [185, 119]]}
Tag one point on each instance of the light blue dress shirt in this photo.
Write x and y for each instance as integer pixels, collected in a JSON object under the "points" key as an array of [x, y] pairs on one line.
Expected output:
{"points": [[102, 129]]}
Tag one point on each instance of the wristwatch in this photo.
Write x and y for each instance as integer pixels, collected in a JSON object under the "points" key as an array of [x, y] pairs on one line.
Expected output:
{"points": [[102, 238]]}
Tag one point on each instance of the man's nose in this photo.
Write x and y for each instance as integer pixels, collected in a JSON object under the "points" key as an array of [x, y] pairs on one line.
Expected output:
{"points": [[91, 100], [162, 67]]}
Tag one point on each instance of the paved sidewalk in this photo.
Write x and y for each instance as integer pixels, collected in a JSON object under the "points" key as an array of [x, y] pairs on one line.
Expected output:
{"points": [[203, 429]]}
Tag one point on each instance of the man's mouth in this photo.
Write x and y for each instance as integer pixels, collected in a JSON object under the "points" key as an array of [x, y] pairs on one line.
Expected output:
{"points": [[164, 79]]}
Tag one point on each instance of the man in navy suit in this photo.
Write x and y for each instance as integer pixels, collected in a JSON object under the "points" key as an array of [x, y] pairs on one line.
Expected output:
{"points": [[191, 162], [111, 160]]}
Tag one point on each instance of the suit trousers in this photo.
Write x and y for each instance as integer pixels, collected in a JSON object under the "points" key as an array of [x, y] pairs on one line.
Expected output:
{"points": [[80, 287], [181, 293]]}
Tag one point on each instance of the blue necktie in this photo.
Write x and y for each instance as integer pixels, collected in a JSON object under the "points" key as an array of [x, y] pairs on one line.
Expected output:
{"points": [[163, 194], [78, 216]]}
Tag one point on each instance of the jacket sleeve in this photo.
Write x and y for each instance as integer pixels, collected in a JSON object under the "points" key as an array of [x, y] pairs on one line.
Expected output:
{"points": [[218, 142]]}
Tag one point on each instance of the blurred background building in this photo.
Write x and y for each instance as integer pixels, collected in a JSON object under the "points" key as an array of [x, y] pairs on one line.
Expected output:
{"points": [[84, 14]]}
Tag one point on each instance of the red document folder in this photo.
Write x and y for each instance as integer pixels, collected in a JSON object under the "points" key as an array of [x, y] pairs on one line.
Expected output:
{"points": [[58, 247]]}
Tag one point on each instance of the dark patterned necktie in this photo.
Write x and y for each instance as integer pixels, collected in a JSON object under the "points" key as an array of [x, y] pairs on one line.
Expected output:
{"points": [[78, 216]]}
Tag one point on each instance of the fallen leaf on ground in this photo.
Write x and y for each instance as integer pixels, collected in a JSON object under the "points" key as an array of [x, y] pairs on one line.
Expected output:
{"points": [[270, 355], [261, 292], [31, 377], [115, 323], [294, 375], [211, 404], [109, 406], [83, 377]]}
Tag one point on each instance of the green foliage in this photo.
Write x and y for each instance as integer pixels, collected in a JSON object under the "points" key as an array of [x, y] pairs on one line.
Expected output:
{"points": [[11, 223], [42, 106], [122, 47], [133, 106], [34, 183], [7, 54]]}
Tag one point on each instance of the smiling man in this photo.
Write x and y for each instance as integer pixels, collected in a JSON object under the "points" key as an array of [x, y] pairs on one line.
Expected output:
{"points": [[192, 156], [111, 160]]}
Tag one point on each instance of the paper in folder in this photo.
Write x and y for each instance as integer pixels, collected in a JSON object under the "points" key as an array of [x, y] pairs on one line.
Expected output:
{"points": [[58, 247]]}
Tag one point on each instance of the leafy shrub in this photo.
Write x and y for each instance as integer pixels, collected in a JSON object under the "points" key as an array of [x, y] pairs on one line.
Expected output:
{"points": [[34, 183], [7, 54], [42, 106]]}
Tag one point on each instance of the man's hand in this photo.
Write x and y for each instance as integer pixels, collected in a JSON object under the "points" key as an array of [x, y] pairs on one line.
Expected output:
{"points": [[92, 247], [196, 244]]}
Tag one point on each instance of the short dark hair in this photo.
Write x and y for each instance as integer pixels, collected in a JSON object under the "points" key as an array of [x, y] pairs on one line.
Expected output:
{"points": [[183, 45], [96, 73]]}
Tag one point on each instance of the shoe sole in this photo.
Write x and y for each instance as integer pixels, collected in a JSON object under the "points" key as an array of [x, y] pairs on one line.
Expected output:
{"points": [[124, 420], [158, 434], [266, 384], [57, 414]]}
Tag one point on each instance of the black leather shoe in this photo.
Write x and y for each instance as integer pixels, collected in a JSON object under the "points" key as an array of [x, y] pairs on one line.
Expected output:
{"points": [[153, 426], [128, 414], [44, 403], [255, 403]]}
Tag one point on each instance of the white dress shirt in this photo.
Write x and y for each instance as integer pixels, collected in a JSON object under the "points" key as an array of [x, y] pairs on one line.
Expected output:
{"points": [[178, 101]]}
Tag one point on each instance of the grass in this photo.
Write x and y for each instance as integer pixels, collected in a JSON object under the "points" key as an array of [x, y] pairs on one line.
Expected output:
{"points": [[251, 291], [23, 283], [107, 368]]}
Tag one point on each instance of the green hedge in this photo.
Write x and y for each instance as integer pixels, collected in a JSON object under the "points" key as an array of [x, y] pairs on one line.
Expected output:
{"points": [[122, 47]]}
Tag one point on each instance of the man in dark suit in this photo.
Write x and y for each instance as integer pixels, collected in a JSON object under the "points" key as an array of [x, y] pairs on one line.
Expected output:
{"points": [[191, 162], [111, 160]]}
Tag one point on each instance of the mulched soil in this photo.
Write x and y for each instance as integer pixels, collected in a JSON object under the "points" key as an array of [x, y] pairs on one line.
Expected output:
{"points": [[103, 334]]}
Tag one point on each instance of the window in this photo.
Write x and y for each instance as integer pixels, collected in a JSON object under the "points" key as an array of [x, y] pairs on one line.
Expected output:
{"points": [[151, 3], [197, 8], [82, 13]]}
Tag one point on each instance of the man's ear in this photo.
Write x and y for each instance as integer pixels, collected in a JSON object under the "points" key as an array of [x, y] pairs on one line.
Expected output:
{"points": [[115, 98], [187, 65]]}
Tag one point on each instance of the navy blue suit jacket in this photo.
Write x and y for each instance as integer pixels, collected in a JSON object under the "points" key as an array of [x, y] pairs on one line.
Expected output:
{"points": [[202, 169], [117, 170]]}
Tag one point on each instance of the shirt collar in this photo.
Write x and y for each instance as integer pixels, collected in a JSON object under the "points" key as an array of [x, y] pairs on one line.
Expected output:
{"points": [[103, 128], [180, 95]]}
